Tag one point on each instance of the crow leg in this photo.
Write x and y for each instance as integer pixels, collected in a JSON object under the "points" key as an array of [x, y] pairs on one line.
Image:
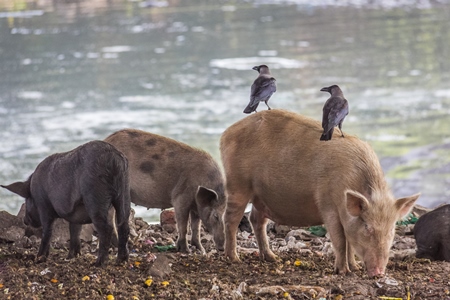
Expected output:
{"points": [[340, 128], [267, 105]]}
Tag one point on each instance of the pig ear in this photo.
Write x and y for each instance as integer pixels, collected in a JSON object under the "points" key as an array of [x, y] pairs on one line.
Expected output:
{"points": [[356, 203], [404, 205], [20, 188], [205, 197]]}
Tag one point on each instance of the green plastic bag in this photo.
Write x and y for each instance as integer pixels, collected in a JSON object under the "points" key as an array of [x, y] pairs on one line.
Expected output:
{"points": [[318, 230]]}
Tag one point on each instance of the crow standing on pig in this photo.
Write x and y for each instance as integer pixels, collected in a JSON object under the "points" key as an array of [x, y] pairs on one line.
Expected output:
{"points": [[262, 89], [334, 112], [79, 186]]}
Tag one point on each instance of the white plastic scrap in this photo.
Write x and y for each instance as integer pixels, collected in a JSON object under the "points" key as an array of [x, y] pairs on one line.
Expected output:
{"points": [[45, 271], [388, 281]]}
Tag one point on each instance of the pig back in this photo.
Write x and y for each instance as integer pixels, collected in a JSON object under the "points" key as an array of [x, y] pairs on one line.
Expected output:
{"points": [[162, 168], [276, 159]]}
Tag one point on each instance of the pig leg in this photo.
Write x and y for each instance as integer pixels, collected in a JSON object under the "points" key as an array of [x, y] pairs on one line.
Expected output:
{"points": [[99, 217], [353, 265], [104, 236], [195, 226], [339, 242], [75, 247], [47, 230], [259, 223], [235, 210], [123, 231], [182, 218]]}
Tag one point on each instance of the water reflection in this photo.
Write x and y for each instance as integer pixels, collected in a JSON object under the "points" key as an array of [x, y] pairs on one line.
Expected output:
{"points": [[73, 71]]}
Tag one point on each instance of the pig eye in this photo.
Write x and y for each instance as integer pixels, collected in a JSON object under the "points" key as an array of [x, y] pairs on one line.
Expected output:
{"points": [[369, 229]]}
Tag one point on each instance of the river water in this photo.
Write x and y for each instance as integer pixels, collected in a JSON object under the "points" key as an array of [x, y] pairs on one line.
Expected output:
{"points": [[74, 71]]}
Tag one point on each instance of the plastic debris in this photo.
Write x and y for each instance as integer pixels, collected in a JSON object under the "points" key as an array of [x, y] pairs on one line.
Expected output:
{"points": [[151, 257], [45, 271], [297, 263], [54, 280], [318, 230], [388, 281], [110, 297], [148, 282], [86, 278], [409, 219], [165, 283], [164, 248], [238, 293], [137, 263]]}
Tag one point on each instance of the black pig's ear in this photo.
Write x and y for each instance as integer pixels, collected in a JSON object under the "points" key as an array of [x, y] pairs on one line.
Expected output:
{"points": [[205, 197], [20, 188]]}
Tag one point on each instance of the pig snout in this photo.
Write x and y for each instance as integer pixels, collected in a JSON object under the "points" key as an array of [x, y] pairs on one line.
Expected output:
{"points": [[376, 268], [219, 240], [375, 272]]}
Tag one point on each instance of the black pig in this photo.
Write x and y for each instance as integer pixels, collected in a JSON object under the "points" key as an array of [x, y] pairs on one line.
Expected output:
{"points": [[432, 234], [79, 186]]}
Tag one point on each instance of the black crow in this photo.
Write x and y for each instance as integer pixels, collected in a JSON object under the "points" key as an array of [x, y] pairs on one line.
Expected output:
{"points": [[262, 88], [334, 112]]}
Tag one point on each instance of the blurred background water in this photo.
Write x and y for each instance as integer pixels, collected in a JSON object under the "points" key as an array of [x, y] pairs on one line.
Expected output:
{"points": [[78, 70]]}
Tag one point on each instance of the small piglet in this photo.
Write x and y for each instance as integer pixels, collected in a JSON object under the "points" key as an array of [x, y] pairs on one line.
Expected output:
{"points": [[275, 160], [166, 173], [79, 186], [432, 234]]}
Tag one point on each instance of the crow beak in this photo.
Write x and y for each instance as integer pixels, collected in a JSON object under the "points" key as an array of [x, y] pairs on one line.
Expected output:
{"points": [[255, 68], [325, 89]]}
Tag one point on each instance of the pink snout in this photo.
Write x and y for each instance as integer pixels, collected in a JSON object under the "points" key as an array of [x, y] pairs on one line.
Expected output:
{"points": [[375, 272]]}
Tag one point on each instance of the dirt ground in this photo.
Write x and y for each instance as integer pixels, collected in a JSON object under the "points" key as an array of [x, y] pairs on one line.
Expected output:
{"points": [[155, 271]]}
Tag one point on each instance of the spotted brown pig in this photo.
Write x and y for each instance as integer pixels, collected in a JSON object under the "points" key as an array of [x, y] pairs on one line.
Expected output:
{"points": [[275, 160], [166, 173]]}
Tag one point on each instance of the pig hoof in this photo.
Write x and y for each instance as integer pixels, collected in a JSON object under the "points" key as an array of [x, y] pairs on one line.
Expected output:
{"points": [[233, 258], [121, 259], [72, 255], [268, 257], [120, 262], [343, 271], [355, 267]]}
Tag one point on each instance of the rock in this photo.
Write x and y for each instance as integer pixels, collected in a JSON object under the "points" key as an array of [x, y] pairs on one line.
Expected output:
{"points": [[161, 267], [167, 217], [8, 220], [282, 229], [12, 234], [168, 221], [12, 228], [141, 224]]}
